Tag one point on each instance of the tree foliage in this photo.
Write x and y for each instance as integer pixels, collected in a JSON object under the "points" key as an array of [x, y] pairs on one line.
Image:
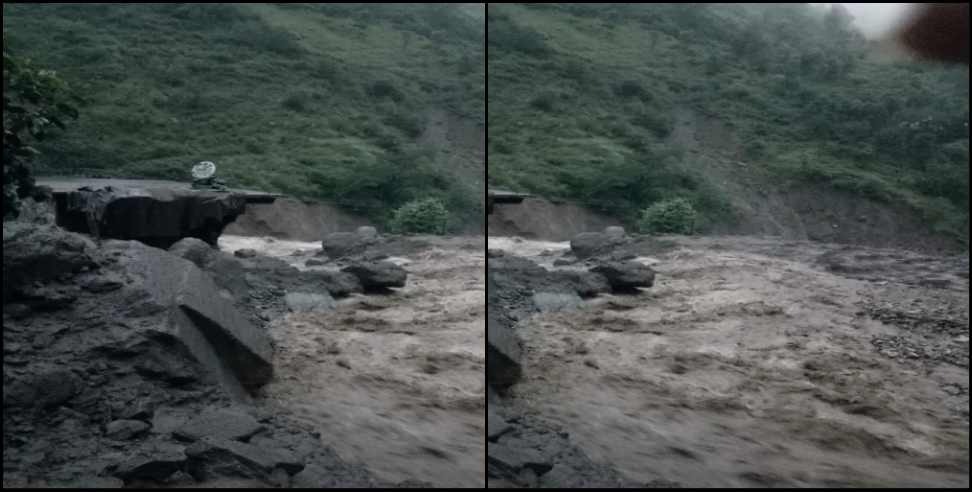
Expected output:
{"points": [[425, 216], [35, 103]]}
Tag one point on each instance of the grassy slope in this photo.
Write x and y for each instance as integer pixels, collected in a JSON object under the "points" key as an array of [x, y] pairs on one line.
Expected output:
{"points": [[319, 101], [560, 124]]}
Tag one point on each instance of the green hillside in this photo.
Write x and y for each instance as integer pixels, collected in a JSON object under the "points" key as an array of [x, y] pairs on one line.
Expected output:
{"points": [[328, 101], [594, 103]]}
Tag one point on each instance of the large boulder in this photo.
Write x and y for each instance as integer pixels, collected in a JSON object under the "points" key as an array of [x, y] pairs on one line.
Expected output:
{"points": [[301, 302], [344, 244], [589, 244], [195, 250], [206, 324], [502, 346], [626, 275], [152, 461], [377, 275], [227, 271], [214, 456], [33, 253], [224, 423], [585, 284]]}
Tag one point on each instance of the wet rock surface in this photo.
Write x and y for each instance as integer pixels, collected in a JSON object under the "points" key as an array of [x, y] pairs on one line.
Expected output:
{"points": [[155, 215], [119, 358]]}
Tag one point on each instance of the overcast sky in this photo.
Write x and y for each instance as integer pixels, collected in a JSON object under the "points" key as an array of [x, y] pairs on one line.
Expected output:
{"points": [[876, 19]]}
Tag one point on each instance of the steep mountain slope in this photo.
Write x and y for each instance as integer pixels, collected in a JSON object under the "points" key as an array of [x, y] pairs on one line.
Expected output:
{"points": [[771, 119], [325, 101]]}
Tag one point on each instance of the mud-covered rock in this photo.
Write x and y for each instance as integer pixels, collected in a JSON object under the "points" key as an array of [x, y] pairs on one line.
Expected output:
{"points": [[212, 456], [626, 275], [585, 284], [344, 244], [227, 271], [43, 387], [589, 244], [125, 429], [195, 250], [556, 301], [224, 423], [41, 253], [152, 461], [246, 253], [377, 275], [301, 302], [209, 326]]}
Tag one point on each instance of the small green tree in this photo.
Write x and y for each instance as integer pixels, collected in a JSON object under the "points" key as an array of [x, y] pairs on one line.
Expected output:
{"points": [[425, 216], [34, 100], [674, 216]]}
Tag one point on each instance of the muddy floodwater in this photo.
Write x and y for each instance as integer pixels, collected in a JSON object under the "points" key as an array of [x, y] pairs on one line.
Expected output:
{"points": [[393, 381], [761, 362]]}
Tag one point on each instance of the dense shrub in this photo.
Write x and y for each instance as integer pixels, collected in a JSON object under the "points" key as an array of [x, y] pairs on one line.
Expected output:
{"points": [[674, 216], [425, 216]]}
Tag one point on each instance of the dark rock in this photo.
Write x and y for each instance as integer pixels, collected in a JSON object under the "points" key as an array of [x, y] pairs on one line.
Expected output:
{"points": [[414, 484], [206, 324], [155, 216], [42, 389], [125, 429], [626, 275], [212, 456], [246, 253], [101, 283], [585, 284], [503, 461], [502, 354], [496, 426], [167, 420], [48, 298], [554, 301], [367, 233], [339, 284], [378, 275], [153, 461], [227, 271], [314, 262], [615, 232], [588, 244], [300, 302], [42, 253], [344, 244], [279, 478], [195, 250], [224, 423], [16, 310], [167, 367]]}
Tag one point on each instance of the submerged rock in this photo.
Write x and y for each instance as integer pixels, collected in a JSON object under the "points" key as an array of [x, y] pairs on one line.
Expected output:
{"points": [[300, 302], [626, 275], [378, 274]]}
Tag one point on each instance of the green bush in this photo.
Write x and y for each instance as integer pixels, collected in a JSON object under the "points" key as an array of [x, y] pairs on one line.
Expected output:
{"points": [[674, 216], [425, 216]]}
